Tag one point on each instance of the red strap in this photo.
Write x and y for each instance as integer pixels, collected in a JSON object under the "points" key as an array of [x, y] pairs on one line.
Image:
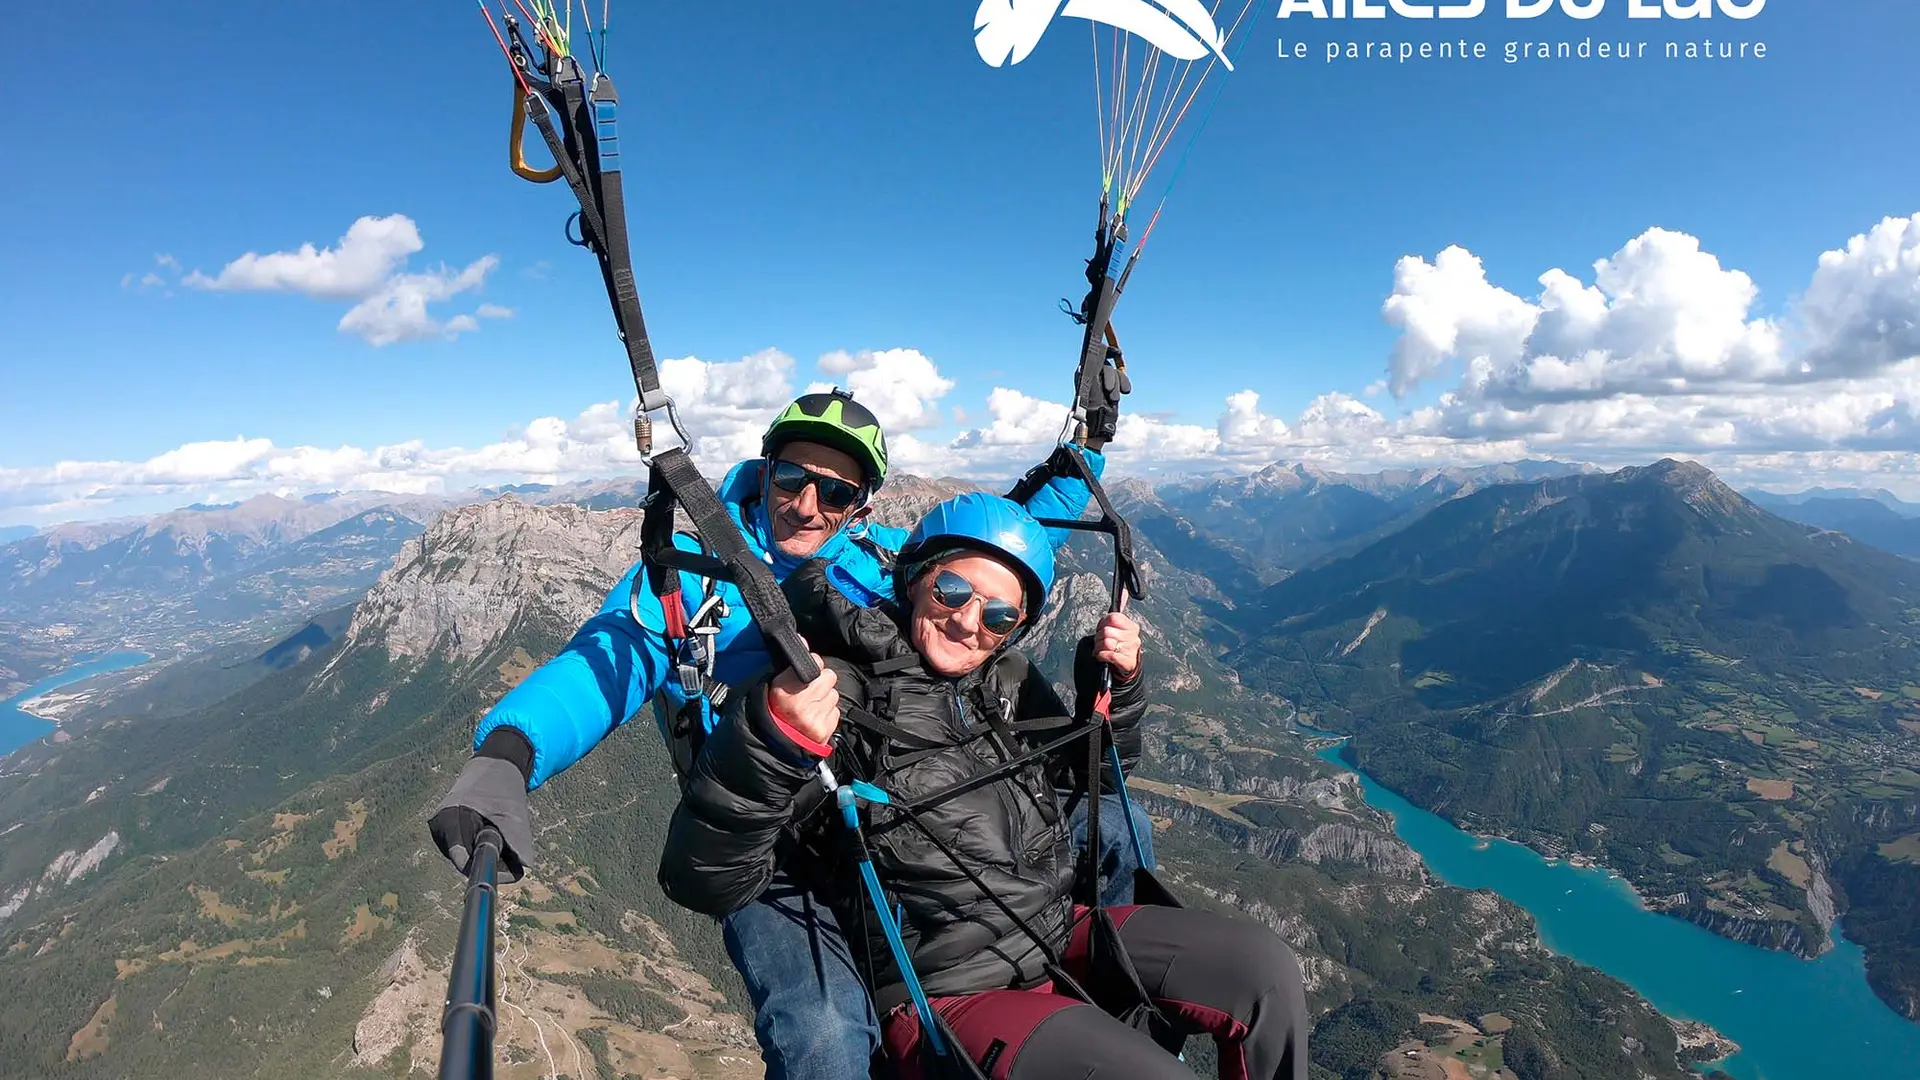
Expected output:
{"points": [[794, 735], [1103, 705], [674, 611]]}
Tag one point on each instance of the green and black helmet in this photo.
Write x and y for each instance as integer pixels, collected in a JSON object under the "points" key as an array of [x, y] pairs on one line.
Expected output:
{"points": [[832, 419]]}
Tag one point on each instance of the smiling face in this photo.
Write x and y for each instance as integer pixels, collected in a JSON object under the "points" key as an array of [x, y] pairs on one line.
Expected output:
{"points": [[953, 640], [800, 522]]}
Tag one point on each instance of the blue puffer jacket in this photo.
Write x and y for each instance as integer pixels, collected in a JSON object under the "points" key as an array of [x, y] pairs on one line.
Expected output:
{"points": [[614, 666]]}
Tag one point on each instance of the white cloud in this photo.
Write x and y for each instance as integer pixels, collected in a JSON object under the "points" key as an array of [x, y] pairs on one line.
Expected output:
{"points": [[1660, 355], [1447, 308], [1663, 353], [901, 386], [397, 311], [1861, 313], [364, 266], [725, 405], [1022, 426], [1243, 424], [356, 267], [1662, 318]]}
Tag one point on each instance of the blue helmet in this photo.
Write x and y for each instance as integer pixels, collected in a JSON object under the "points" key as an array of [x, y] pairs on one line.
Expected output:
{"points": [[989, 524]]}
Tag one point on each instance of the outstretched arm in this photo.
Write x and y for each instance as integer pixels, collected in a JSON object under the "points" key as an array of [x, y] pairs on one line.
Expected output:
{"points": [[1050, 492], [1044, 492], [608, 672]]}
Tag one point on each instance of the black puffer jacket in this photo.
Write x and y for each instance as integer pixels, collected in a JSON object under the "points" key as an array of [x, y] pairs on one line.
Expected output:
{"points": [[754, 799]]}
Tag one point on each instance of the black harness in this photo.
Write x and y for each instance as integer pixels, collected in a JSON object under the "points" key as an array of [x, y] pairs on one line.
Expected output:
{"points": [[1116, 986]]}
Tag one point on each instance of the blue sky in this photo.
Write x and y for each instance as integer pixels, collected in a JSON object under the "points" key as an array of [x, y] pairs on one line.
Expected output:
{"points": [[844, 175]]}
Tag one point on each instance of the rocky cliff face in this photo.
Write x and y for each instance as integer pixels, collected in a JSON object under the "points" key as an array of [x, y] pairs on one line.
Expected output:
{"points": [[1357, 846], [478, 570], [1766, 933]]}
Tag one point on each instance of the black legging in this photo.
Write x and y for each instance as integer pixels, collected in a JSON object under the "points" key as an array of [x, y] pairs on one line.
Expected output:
{"points": [[1229, 978]]}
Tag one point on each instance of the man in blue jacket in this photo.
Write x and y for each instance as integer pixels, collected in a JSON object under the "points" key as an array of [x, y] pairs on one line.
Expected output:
{"points": [[807, 497]]}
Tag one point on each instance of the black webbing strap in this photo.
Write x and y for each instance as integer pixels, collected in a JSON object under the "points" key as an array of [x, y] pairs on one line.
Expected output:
{"points": [[1101, 378], [1042, 723], [997, 773], [537, 111], [673, 481], [1090, 859], [891, 732], [912, 817], [1065, 463], [589, 159], [616, 260]]}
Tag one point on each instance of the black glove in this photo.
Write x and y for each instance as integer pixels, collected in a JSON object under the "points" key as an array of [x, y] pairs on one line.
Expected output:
{"points": [[489, 792]]}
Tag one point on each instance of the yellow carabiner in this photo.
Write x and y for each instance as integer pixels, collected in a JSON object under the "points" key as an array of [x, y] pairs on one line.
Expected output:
{"points": [[516, 153]]}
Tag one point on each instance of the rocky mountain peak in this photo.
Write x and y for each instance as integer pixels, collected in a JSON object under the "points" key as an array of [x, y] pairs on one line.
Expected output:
{"points": [[1282, 476], [1695, 484], [477, 570], [906, 497], [457, 589]]}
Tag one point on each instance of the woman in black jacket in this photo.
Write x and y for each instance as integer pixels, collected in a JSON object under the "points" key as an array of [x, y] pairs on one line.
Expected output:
{"points": [[922, 698]]}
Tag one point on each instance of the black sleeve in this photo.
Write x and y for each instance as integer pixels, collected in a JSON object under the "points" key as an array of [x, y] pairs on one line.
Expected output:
{"points": [[724, 841], [721, 844], [1127, 708]]}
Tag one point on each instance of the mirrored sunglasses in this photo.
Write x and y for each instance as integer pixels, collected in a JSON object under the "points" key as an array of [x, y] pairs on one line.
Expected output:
{"points": [[954, 591]]}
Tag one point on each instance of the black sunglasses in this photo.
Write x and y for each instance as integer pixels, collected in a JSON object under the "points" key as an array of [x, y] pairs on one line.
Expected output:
{"points": [[835, 493], [953, 591]]}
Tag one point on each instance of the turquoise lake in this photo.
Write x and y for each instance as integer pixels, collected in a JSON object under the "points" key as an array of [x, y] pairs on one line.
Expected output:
{"points": [[1794, 1019], [17, 728]]}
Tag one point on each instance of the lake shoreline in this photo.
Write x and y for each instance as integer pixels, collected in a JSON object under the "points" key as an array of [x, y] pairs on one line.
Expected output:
{"points": [[53, 705], [1791, 1018], [43, 710], [1674, 905]]}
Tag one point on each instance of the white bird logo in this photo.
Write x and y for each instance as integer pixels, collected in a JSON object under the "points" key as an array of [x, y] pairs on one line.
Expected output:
{"points": [[1008, 30]]}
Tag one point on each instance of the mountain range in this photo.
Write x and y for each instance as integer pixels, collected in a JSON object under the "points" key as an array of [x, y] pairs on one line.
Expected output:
{"points": [[1641, 668], [212, 576], [1889, 525], [1648, 670], [244, 886], [1774, 501]]}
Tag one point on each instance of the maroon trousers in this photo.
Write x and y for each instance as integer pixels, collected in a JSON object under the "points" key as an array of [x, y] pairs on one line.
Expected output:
{"points": [[1229, 978]]}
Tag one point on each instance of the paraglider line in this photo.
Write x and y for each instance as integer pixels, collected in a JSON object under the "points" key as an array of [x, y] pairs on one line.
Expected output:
{"points": [[1099, 98], [508, 53], [587, 17], [1205, 118]]}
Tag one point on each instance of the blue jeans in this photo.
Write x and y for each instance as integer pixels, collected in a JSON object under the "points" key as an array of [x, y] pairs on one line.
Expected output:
{"points": [[811, 1012], [1117, 857]]}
